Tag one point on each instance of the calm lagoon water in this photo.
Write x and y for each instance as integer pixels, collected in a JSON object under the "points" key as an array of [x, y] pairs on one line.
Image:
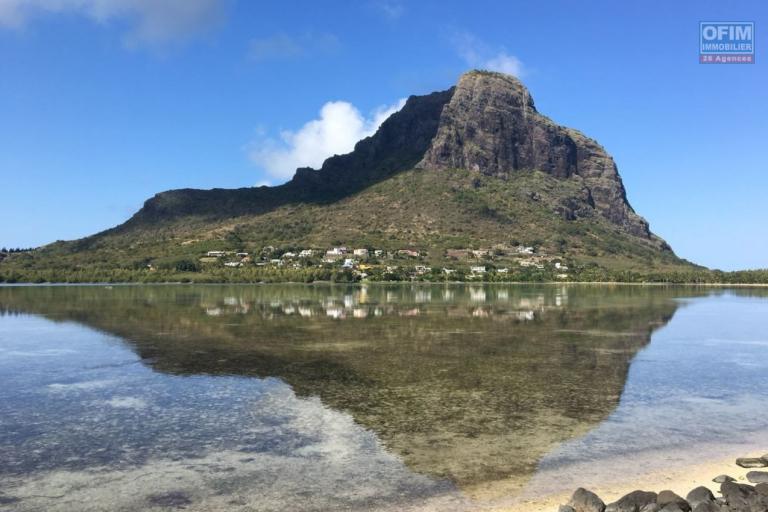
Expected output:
{"points": [[292, 397]]}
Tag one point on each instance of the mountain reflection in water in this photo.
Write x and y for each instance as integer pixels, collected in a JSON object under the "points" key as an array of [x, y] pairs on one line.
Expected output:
{"points": [[470, 384]]}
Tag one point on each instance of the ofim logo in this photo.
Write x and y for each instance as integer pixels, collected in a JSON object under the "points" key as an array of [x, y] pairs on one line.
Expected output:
{"points": [[727, 42]]}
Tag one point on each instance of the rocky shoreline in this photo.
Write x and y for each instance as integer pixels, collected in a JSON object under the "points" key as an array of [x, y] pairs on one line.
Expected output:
{"points": [[735, 497]]}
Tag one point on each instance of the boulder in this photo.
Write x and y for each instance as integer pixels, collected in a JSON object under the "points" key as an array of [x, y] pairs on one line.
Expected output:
{"points": [[700, 495], [707, 506], [668, 497], [651, 507], [758, 477], [738, 496], [632, 502], [751, 462], [723, 478], [566, 508], [762, 489], [672, 507], [586, 501]]}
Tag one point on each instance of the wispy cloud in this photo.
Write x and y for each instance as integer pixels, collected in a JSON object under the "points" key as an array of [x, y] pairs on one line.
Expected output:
{"points": [[339, 126], [153, 23], [478, 54], [391, 9], [283, 46]]}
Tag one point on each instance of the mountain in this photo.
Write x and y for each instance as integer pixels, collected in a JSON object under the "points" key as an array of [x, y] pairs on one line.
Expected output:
{"points": [[475, 166]]}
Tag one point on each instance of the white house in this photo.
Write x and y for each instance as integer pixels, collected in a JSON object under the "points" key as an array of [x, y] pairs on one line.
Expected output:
{"points": [[289, 255], [478, 270], [524, 250], [306, 253], [349, 263], [362, 253], [233, 264], [502, 270], [216, 254]]}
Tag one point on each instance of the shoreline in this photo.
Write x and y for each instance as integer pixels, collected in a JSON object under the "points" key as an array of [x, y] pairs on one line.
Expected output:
{"points": [[377, 283], [678, 470]]}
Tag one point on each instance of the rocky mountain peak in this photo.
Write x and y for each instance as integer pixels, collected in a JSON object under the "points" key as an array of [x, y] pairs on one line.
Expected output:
{"points": [[491, 126]]}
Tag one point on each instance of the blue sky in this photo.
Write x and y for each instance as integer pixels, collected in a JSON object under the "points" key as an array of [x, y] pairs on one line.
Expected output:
{"points": [[104, 103]]}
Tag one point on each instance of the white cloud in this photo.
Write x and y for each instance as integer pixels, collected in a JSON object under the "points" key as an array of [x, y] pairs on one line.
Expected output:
{"points": [[153, 23], [283, 46], [335, 132], [505, 63], [478, 54], [391, 9]]}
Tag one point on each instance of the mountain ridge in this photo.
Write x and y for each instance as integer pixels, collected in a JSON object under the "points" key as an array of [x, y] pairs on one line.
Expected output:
{"points": [[473, 166], [463, 128]]}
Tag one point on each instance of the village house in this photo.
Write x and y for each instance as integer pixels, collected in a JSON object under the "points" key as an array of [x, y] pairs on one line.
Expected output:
{"points": [[216, 254], [378, 253], [362, 253], [241, 254], [233, 264], [477, 269], [332, 255], [289, 255], [448, 271], [349, 263], [481, 253], [408, 252], [421, 269], [524, 249], [560, 266], [306, 253], [502, 270]]}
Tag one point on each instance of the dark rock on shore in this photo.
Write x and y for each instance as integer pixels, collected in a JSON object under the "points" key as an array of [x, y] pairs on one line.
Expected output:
{"points": [[758, 477], [698, 496], [738, 496], [666, 498], [586, 501], [752, 462], [633, 502], [710, 506]]}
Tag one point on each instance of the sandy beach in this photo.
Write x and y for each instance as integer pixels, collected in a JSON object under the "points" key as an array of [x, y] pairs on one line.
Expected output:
{"points": [[615, 478]]}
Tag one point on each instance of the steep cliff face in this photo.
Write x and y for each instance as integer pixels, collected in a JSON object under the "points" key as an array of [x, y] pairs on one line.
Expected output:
{"points": [[491, 126], [397, 145]]}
